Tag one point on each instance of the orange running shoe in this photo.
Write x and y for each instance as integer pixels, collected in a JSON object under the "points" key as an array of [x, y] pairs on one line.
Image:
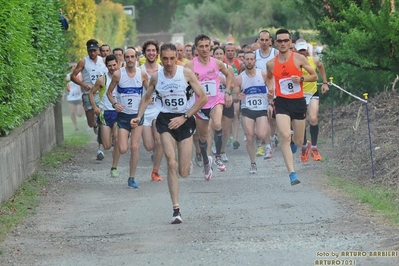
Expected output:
{"points": [[314, 152], [155, 176], [305, 153]]}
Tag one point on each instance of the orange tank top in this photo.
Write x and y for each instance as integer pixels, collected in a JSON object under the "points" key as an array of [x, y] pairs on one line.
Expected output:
{"points": [[282, 73]]}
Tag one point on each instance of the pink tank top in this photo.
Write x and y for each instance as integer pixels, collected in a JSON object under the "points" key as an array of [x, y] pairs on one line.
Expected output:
{"points": [[208, 76]]}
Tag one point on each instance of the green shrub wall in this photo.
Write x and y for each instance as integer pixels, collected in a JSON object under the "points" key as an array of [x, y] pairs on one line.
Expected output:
{"points": [[32, 59]]}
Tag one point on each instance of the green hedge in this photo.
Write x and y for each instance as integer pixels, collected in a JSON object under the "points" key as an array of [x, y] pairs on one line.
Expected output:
{"points": [[32, 59]]}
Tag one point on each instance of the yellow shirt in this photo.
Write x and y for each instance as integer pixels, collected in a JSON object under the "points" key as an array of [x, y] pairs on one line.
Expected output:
{"points": [[309, 87], [142, 60]]}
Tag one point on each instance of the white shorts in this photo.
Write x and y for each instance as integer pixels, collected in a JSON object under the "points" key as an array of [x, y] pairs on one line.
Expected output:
{"points": [[149, 116]]}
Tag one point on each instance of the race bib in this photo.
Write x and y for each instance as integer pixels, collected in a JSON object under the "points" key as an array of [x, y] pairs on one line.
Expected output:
{"points": [[287, 86], [255, 102], [209, 87], [130, 101], [174, 102]]}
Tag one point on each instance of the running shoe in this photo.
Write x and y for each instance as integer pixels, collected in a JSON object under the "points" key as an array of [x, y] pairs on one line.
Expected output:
{"points": [[213, 148], [314, 152], [208, 169], [132, 183], [305, 152], [155, 176], [294, 147], [191, 168], [253, 168], [245, 138], [114, 173], [176, 219], [229, 142], [273, 142], [236, 144], [219, 164], [268, 153], [198, 160], [100, 155], [294, 179], [224, 157], [260, 152]]}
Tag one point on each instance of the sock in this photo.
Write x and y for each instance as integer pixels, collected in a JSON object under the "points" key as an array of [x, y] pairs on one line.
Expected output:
{"points": [[203, 148], [218, 141], [113, 168], [305, 141], [176, 209], [314, 133], [155, 170]]}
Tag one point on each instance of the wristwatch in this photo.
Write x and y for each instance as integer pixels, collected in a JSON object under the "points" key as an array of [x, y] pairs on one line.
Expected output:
{"points": [[302, 79], [186, 116], [229, 92]]}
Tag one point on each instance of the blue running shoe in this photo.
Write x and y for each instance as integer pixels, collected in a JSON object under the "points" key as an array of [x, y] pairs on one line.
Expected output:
{"points": [[294, 147], [132, 183], [294, 179]]}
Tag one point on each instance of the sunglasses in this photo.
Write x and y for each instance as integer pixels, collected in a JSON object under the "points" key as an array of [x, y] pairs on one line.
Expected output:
{"points": [[281, 41]]}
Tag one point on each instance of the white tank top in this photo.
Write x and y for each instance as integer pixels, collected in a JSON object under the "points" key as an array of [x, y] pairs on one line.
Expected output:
{"points": [[105, 104], [92, 71], [74, 92], [255, 92], [130, 91], [261, 61], [172, 94], [154, 95]]}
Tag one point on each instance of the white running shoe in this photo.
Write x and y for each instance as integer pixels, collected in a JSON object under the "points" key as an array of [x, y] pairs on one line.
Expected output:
{"points": [[253, 169], [268, 153], [219, 164], [208, 169], [224, 157]]}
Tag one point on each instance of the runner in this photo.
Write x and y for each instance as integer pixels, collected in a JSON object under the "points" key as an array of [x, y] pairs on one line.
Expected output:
{"points": [[150, 135], [254, 96], [228, 113], [129, 82], [289, 104], [230, 52], [174, 86], [207, 70], [264, 54], [118, 52], [92, 67], [312, 100], [105, 50], [74, 98], [106, 113]]}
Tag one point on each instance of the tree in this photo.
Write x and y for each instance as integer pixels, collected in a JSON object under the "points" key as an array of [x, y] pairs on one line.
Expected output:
{"points": [[112, 24], [81, 15], [361, 38]]}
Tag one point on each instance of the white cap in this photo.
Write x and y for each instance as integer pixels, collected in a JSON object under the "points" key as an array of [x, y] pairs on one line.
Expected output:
{"points": [[301, 46]]}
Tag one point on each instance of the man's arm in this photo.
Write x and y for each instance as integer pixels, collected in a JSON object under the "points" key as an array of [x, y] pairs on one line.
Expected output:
{"points": [[322, 71], [75, 75], [270, 86], [198, 90], [115, 80], [98, 85], [228, 100], [238, 95], [303, 63]]}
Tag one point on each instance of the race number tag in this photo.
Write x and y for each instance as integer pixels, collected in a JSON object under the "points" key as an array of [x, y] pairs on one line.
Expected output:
{"points": [[174, 102], [287, 86], [130, 101], [209, 87], [255, 102]]}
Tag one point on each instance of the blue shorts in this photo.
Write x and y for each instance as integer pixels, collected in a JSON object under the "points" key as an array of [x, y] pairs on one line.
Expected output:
{"points": [[123, 120], [108, 117]]}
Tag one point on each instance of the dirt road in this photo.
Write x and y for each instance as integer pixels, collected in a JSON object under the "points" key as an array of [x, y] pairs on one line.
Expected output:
{"points": [[87, 218]]}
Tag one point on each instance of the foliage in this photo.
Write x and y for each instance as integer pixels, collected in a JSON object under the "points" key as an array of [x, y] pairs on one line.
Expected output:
{"points": [[361, 39], [223, 17], [81, 15], [112, 24], [32, 69]]}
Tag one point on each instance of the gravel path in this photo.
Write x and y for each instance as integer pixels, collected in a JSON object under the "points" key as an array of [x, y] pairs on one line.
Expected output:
{"points": [[88, 218]]}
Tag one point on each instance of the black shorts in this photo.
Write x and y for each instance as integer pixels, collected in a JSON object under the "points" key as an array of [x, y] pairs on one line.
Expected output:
{"points": [[253, 114], [294, 108], [183, 132], [123, 120], [228, 112]]}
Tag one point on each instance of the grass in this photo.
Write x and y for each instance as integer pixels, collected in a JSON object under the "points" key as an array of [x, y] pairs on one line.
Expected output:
{"points": [[26, 198], [382, 200]]}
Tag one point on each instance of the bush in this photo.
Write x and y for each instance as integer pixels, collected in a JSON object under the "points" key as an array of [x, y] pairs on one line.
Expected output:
{"points": [[33, 63]]}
